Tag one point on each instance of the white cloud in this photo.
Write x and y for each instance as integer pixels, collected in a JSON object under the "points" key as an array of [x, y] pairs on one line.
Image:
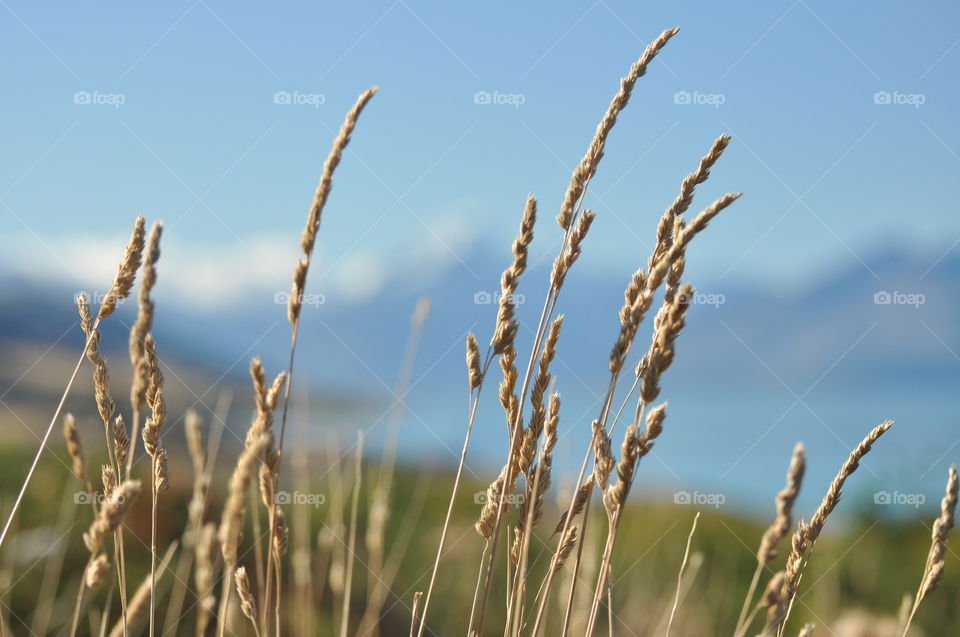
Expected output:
{"points": [[217, 275]]}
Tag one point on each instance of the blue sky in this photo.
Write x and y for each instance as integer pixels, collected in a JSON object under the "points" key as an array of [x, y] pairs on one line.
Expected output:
{"points": [[831, 176]]}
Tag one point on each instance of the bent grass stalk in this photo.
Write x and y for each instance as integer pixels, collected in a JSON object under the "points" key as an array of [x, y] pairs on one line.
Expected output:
{"points": [[307, 242]]}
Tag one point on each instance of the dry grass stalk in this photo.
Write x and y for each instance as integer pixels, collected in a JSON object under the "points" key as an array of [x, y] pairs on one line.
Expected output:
{"points": [[111, 514], [101, 375], [807, 631], [96, 571], [936, 558], [126, 272], [785, 500], [140, 602], [234, 510], [638, 298], [117, 291], [540, 384], [307, 241], [474, 372], [775, 533], [203, 577], [248, 605], [352, 539], [683, 567], [144, 323], [121, 441], [75, 447], [506, 328], [505, 332], [579, 501], [806, 535], [567, 543], [587, 168], [196, 446], [108, 478], [538, 483]]}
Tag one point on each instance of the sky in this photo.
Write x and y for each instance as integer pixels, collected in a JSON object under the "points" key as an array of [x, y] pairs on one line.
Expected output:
{"points": [[216, 117]]}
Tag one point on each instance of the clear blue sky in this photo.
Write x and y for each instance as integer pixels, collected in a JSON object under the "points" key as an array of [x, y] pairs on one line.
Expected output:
{"points": [[830, 174]]}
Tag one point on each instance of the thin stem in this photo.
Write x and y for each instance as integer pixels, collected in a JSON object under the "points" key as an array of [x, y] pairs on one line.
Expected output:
{"points": [[351, 547], [153, 540], [453, 495], [683, 566], [746, 602], [46, 437]]}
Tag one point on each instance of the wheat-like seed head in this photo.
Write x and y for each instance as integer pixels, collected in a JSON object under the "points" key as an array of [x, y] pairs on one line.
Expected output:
{"points": [[309, 236], [75, 447], [247, 604], [806, 534], [573, 249], [101, 377], [193, 424], [144, 322], [588, 165], [488, 514], [580, 501], [121, 440], [539, 388], [111, 514], [96, 571], [506, 328], [161, 476], [785, 499], [567, 543], [108, 477], [126, 271], [231, 523], [603, 461], [281, 536], [154, 398], [936, 559], [473, 361], [204, 574]]}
